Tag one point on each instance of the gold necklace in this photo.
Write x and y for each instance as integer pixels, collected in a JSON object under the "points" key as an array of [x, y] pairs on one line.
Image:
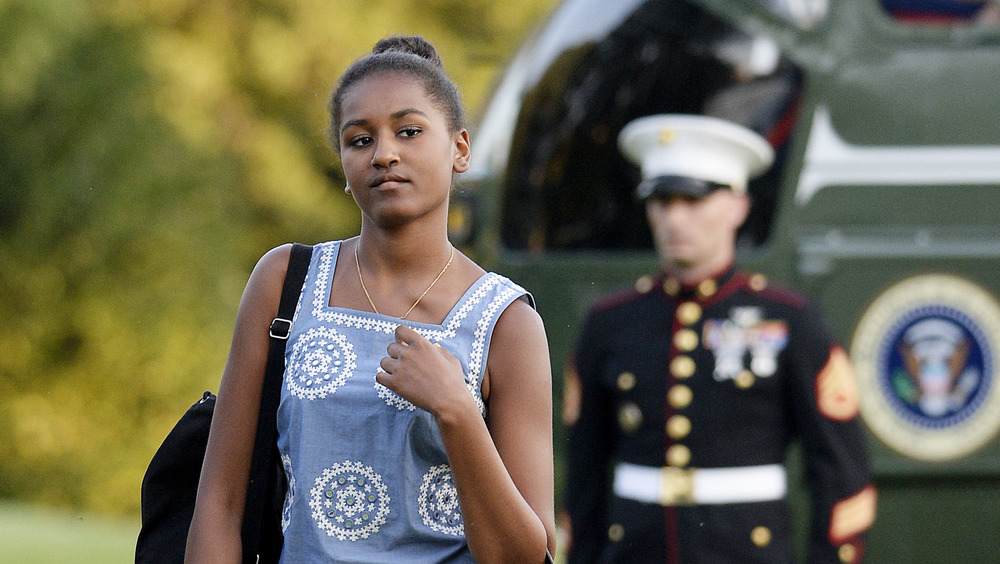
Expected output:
{"points": [[357, 262]]}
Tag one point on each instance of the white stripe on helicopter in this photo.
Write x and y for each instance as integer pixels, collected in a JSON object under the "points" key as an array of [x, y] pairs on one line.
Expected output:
{"points": [[831, 161]]}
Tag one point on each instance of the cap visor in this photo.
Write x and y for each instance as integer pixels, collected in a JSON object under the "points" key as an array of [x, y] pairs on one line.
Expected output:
{"points": [[676, 186]]}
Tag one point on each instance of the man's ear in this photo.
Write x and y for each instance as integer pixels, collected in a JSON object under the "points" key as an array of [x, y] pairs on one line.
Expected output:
{"points": [[741, 210], [463, 151]]}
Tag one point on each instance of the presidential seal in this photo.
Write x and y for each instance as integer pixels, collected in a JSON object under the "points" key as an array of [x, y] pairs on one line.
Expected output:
{"points": [[925, 357]]}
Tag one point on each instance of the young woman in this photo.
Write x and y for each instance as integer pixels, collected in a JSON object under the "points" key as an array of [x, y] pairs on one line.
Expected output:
{"points": [[415, 414]]}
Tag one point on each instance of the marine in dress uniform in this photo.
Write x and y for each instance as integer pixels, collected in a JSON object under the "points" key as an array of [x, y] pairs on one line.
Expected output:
{"points": [[682, 398]]}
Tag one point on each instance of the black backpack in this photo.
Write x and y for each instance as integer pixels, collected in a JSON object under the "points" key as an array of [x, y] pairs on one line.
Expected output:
{"points": [[170, 484]]}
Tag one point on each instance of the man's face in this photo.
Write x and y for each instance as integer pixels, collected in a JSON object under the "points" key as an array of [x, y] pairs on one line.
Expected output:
{"points": [[696, 233]]}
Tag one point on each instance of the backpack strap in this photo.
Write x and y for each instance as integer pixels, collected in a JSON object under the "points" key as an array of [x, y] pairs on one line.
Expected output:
{"points": [[265, 443]]}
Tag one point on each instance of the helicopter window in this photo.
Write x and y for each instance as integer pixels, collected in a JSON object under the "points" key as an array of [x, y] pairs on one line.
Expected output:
{"points": [[568, 187], [944, 12]]}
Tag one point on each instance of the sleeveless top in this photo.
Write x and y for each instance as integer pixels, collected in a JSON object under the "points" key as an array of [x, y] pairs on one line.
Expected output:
{"points": [[368, 477]]}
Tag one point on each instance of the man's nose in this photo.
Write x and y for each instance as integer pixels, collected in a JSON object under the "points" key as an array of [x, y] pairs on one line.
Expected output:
{"points": [[675, 207]]}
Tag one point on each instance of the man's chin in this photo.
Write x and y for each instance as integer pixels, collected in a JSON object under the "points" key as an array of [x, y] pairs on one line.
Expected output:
{"points": [[678, 255]]}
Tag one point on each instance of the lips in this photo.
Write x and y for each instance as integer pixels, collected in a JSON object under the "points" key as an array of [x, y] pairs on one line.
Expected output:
{"points": [[386, 179]]}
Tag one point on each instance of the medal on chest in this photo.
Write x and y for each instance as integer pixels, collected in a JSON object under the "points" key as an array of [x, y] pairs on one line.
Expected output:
{"points": [[744, 333]]}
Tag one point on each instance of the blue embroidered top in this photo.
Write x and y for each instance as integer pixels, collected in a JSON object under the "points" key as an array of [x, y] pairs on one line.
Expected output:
{"points": [[367, 472]]}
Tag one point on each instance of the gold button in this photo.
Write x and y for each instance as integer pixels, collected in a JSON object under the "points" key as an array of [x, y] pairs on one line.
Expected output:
{"points": [[678, 455], [707, 288], [678, 426], [682, 367], [629, 418], [644, 285], [616, 532], [626, 381], [686, 340], [758, 282], [847, 553], [761, 536], [744, 379], [671, 287], [688, 313], [680, 396]]}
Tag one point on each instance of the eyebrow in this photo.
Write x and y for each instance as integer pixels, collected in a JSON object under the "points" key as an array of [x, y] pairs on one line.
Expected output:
{"points": [[395, 115]]}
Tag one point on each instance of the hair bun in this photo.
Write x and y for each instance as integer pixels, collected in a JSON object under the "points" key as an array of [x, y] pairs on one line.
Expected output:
{"points": [[413, 44]]}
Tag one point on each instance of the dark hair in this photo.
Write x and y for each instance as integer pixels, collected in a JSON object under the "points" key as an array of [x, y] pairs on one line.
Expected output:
{"points": [[410, 55]]}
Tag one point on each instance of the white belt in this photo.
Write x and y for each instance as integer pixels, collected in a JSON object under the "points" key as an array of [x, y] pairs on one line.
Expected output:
{"points": [[689, 486]]}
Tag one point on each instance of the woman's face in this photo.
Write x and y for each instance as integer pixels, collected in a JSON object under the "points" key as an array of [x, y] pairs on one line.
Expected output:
{"points": [[397, 151]]}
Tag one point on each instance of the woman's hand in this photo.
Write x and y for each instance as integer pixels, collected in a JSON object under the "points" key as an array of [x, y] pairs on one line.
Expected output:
{"points": [[423, 373], [503, 473]]}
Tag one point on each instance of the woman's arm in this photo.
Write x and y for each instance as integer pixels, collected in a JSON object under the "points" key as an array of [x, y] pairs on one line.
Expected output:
{"points": [[503, 472], [214, 536]]}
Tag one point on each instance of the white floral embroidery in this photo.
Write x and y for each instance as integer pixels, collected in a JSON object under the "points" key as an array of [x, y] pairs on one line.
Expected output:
{"points": [[286, 511], [438, 502], [300, 301], [349, 501], [367, 322], [321, 294], [321, 361], [476, 357]]}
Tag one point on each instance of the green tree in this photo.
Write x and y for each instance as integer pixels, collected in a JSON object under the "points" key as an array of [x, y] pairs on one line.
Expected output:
{"points": [[150, 152]]}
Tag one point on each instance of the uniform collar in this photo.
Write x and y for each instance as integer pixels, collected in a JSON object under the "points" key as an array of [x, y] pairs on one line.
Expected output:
{"points": [[702, 290]]}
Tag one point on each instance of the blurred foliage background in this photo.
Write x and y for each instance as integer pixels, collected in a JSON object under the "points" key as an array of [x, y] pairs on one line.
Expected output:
{"points": [[150, 152]]}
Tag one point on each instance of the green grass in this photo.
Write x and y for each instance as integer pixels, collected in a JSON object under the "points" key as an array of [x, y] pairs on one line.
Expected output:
{"points": [[32, 535]]}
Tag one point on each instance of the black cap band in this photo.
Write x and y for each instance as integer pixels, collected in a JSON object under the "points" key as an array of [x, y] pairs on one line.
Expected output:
{"points": [[671, 185]]}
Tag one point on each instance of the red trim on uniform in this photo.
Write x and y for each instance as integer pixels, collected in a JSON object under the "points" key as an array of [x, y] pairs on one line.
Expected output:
{"points": [[736, 281], [671, 534], [852, 515], [783, 129], [730, 287], [671, 537], [859, 550], [929, 19], [777, 293]]}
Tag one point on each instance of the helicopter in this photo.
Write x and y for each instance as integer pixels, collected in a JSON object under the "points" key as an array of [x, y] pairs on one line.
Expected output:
{"points": [[883, 205]]}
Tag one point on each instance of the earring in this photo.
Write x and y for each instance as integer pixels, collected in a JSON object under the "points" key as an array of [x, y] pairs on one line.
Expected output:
{"points": [[347, 188]]}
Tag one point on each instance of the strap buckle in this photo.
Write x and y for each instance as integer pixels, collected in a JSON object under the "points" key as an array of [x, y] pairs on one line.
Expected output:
{"points": [[280, 328], [676, 486]]}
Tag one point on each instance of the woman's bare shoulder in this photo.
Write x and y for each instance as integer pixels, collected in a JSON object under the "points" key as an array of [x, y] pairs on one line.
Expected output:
{"points": [[519, 345], [269, 274]]}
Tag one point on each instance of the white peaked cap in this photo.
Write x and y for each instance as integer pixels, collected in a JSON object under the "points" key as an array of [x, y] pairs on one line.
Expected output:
{"points": [[698, 147]]}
